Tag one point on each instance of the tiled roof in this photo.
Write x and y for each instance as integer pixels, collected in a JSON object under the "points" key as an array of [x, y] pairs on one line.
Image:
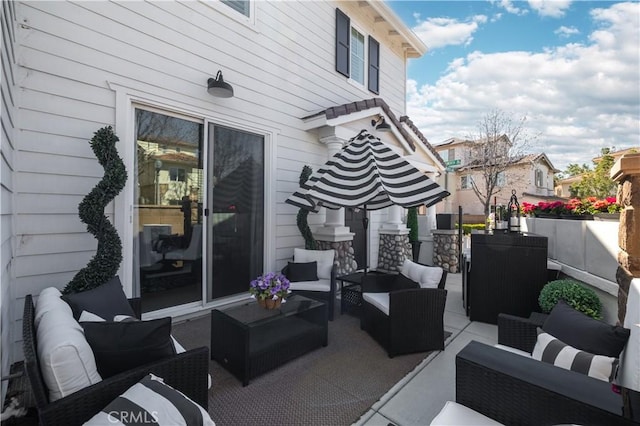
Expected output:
{"points": [[352, 107], [177, 157]]}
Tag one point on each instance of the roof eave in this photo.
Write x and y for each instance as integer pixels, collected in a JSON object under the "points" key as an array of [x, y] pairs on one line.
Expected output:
{"points": [[413, 46]]}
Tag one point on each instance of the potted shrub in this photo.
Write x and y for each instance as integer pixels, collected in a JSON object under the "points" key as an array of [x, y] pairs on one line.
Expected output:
{"points": [[412, 224], [105, 263], [575, 294]]}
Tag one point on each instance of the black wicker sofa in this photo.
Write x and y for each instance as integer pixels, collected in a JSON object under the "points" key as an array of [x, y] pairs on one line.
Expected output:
{"points": [[516, 390], [186, 372]]}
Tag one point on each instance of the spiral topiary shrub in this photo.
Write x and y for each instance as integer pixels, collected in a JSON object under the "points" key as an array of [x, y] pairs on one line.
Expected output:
{"points": [[575, 294], [105, 263], [301, 218]]}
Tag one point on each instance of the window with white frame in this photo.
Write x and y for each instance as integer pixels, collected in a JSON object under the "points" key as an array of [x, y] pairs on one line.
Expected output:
{"points": [[466, 182], [357, 56], [539, 178], [501, 179], [241, 6], [177, 174]]}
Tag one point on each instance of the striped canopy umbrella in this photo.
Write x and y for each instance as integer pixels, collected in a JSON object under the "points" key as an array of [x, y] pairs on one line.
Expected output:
{"points": [[367, 174]]}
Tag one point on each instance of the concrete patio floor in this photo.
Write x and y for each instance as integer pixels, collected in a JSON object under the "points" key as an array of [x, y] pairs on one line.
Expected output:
{"points": [[420, 395]]}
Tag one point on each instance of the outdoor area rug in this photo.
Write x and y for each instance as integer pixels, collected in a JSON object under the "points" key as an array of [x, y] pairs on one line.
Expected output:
{"points": [[333, 385]]}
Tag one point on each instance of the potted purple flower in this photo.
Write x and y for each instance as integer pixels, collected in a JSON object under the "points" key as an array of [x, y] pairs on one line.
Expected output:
{"points": [[270, 289]]}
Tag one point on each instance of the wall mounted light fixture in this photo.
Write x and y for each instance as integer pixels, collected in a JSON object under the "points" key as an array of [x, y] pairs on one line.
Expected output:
{"points": [[382, 126], [218, 87]]}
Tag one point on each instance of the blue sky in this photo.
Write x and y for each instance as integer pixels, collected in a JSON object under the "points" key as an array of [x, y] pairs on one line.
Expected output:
{"points": [[571, 67]]}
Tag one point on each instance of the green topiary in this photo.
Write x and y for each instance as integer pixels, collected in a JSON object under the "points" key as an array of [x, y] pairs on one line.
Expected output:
{"points": [[575, 294], [105, 263], [412, 223], [301, 218]]}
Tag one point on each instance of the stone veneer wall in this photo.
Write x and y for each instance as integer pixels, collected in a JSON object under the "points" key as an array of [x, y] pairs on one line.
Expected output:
{"points": [[445, 250], [345, 260], [626, 172], [393, 250]]}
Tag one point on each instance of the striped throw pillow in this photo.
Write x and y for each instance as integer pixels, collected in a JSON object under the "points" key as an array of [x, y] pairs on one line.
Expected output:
{"points": [[553, 351], [151, 401]]}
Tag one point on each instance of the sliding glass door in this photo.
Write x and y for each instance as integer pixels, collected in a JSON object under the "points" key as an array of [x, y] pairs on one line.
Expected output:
{"points": [[236, 210]]}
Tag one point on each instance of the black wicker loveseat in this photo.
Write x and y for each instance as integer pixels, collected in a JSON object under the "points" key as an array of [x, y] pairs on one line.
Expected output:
{"points": [[186, 372], [517, 390]]}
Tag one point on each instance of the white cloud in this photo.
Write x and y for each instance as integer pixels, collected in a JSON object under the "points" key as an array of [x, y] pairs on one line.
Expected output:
{"points": [[510, 8], [566, 31], [550, 8], [440, 32], [578, 97]]}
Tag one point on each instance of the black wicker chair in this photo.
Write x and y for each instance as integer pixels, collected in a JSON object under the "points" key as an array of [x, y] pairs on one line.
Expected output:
{"points": [[513, 389], [416, 316], [186, 372]]}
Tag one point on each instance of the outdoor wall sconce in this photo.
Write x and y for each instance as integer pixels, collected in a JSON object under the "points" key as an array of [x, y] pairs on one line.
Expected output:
{"points": [[383, 126], [218, 88], [514, 213]]}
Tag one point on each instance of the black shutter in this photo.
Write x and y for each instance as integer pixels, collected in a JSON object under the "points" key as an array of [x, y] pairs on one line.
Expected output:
{"points": [[343, 38], [374, 66]]}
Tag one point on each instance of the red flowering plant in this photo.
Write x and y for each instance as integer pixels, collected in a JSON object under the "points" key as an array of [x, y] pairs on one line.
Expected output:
{"points": [[555, 207], [528, 209], [579, 206], [606, 205]]}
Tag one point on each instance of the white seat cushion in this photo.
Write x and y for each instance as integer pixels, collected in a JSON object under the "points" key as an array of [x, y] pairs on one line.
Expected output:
{"points": [[66, 359], [320, 285], [379, 300], [323, 257], [454, 414], [426, 276], [49, 299], [512, 350], [629, 373]]}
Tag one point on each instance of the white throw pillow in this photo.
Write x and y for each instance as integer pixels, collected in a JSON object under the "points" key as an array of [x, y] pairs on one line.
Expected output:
{"points": [[66, 359], [426, 276], [553, 351], [323, 257]]}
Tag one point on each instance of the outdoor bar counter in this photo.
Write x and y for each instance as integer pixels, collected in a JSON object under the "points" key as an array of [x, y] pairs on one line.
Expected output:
{"points": [[506, 275]]}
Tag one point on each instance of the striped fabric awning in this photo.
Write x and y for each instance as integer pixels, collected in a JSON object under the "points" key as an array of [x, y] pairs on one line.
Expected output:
{"points": [[367, 174]]}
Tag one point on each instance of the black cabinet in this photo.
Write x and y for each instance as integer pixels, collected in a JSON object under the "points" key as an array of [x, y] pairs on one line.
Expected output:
{"points": [[507, 273]]}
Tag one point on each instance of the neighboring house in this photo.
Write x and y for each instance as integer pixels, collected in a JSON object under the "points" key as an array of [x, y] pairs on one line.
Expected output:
{"points": [[563, 186], [307, 76], [530, 175]]}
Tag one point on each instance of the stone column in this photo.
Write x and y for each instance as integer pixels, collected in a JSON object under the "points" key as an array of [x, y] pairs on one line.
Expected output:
{"points": [[626, 172], [333, 234], [394, 246]]}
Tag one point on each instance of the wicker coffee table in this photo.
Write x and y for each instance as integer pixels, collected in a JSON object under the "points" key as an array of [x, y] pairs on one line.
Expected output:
{"points": [[249, 340]]}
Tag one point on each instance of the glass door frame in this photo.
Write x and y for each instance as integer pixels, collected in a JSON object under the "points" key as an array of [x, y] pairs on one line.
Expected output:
{"points": [[127, 100]]}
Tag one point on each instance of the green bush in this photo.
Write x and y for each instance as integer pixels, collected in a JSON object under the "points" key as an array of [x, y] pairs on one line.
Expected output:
{"points": [[575, 294], [467, 227]]}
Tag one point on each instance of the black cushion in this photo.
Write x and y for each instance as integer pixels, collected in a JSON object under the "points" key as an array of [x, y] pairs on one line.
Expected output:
{"points": [[585, 333], [402, 283], [302, 271], [106, 301], [121, 346]]}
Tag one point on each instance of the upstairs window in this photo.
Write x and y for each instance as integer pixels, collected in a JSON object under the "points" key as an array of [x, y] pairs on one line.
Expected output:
{"points": [[240, 6], [354, 59], [177, 174], [466, 182], [501, 179], [357, 56], [539, 178]]}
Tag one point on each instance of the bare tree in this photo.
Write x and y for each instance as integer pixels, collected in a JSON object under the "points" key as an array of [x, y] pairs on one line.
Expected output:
{"points": [[500, 142]]}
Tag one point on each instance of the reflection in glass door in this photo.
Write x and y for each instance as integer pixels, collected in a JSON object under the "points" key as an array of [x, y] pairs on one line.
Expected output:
{"points": [[168, 209], [236, 210]]}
